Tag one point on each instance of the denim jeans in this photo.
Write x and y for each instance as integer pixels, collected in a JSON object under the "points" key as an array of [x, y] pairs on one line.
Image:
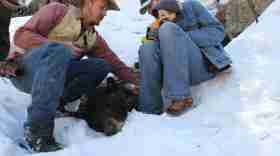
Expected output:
{"points": [[52, 73], [168, 68]]}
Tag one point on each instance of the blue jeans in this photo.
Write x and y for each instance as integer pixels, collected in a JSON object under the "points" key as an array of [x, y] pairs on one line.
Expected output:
{"points": [[168, 68], [51, 73]]}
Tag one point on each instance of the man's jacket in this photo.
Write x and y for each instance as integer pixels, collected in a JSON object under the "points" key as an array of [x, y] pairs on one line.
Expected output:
{"points": [[57, 22]]}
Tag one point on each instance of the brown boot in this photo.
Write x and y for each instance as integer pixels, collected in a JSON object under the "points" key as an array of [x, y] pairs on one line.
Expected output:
{"points": [[178, 106]]}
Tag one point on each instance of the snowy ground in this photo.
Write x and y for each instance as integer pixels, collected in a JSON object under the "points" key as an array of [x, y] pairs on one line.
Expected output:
{"points": [[238, 112]]}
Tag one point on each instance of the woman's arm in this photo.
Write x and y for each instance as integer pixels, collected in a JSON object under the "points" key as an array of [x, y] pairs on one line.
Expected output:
{"points": [[210, 31]]}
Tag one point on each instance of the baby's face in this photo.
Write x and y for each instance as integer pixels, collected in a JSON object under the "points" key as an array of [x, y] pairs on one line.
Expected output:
{"points": [[165, 15]]}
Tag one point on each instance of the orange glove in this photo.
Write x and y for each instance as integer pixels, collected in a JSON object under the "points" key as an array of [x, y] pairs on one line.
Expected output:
{"points": [[155, 24], [152, 31]]}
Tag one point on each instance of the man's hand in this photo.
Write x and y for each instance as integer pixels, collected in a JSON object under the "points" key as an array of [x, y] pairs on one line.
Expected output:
{"points": [[10, 68], [132, 88], [133, 85]]}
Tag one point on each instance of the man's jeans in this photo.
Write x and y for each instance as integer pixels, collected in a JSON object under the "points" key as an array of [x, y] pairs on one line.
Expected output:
{"points": [[169, 66], [51, 73]]}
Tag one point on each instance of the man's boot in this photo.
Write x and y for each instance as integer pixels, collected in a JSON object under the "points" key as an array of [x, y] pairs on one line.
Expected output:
{"points": [[179, 106], [40, 143]]}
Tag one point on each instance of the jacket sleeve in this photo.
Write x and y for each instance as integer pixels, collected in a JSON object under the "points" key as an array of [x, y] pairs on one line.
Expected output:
{"points": [[210, 31], [4, 45], [121, 70], [35, 31]]}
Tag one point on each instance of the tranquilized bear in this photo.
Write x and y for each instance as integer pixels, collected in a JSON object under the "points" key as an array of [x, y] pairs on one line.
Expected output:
{"points": [[107, 111]]}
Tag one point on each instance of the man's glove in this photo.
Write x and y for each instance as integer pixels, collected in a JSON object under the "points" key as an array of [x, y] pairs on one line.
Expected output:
{"points": [[10, 68]]}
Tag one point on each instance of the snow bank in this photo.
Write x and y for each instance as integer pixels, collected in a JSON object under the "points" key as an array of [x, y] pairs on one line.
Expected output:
{"points": [[238, 112]]}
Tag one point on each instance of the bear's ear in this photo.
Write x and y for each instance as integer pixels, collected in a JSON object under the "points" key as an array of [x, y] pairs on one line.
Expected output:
{"points": [[111, 84]]}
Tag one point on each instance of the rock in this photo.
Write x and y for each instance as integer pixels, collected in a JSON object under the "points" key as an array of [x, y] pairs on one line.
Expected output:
{"points": [[236, 15]]}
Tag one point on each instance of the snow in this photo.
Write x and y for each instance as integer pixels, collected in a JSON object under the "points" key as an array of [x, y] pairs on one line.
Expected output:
{"points": [[237, 113]]}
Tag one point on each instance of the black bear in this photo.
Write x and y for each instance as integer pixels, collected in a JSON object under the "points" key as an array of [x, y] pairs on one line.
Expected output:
{"points": [[107, 111]]}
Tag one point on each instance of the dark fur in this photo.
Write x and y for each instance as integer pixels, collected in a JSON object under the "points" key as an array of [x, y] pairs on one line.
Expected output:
{"points": [[107, 111]]}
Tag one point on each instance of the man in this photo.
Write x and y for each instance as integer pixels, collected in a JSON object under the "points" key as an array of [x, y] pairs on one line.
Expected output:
{"points": [[6, 7], [49, 48], [184, 50]]}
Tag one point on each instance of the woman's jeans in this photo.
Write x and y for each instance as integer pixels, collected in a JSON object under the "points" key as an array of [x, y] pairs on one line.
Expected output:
{"points": [[52, 73], [169, 67]]}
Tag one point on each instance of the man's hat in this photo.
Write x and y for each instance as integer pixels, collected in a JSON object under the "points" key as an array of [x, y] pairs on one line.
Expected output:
{"points": [[144, 6], [112, 5]]}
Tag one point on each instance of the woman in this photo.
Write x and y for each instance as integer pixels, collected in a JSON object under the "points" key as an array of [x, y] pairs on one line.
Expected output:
{"points": [[184, 51]]}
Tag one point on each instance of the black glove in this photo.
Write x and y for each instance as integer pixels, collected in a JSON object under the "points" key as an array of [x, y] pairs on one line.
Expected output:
{"points": [[152, 34]]}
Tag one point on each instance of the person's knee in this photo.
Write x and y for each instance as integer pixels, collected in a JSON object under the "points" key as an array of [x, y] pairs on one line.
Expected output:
{"points": [[56, 52], [168, 29]]}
